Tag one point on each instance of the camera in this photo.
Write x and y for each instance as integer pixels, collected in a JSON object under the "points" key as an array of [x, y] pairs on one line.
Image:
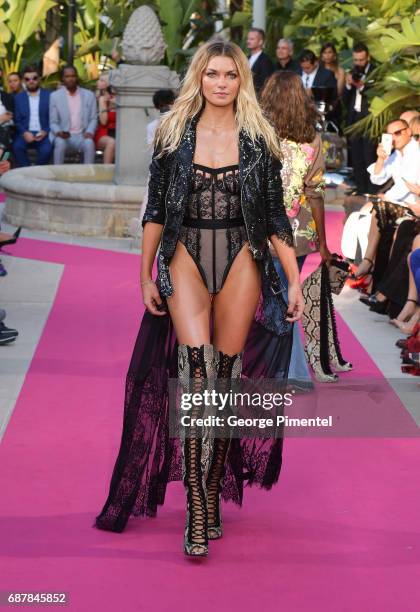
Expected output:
{"points": [[357, 74]]}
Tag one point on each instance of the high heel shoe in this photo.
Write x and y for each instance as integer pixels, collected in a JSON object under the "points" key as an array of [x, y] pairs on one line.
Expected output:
{"points": [[379, 307], [12, 240], [356, 277], [229, 367], [195, 365]]}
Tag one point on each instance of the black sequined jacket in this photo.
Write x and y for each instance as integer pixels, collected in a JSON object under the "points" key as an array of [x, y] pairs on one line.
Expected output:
{"points": [[261, 201]]}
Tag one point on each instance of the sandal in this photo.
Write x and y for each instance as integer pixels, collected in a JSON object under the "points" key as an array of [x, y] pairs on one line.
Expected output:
{"points": [[356, 277]]}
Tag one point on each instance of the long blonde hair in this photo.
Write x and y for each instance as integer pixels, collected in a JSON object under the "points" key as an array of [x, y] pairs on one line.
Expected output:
{"points": [[190, 101]]}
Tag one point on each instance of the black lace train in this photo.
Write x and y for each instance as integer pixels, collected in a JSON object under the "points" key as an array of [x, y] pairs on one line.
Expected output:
{"points": [[148, 458]]}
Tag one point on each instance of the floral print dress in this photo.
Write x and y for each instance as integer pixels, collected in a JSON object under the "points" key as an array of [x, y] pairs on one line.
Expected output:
{"points": [[303, 186]]}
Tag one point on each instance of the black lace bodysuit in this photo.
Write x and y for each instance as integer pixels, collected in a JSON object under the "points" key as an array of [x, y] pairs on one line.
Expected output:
{"points": [[213, 229]]}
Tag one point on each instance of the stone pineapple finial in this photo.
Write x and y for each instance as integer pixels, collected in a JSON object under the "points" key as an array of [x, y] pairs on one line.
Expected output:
{"points": [[143, 41]]}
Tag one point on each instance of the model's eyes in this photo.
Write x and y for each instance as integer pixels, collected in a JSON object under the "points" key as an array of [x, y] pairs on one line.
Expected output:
{"points": [[233, 75], [210, 74]]}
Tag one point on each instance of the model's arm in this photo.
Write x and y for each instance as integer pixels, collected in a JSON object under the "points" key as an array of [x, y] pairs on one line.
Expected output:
{"points": [[280, 235], [152, 222], [314, 189]]}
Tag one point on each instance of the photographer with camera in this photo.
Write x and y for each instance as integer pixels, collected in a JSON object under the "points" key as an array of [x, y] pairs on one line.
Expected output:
{"points": [[362, 150]]}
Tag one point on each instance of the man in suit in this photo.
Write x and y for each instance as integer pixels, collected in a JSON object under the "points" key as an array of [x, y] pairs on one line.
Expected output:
{"points": [[259, 62], [313, 74], [284, 54], [73, 118], [32, 120], [362, 150]]}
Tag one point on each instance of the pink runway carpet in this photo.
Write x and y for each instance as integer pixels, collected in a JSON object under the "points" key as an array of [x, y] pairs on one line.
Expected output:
{"points": [[340, 531]]}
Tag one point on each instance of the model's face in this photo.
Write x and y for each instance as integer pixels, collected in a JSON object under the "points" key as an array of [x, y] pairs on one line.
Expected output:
{"points": [[328, 56], [254, 41], [14, 83], [307, 67], [70, 79], [220, 81], [283, 51], [360, 59], [401, 134], [31, 81]]}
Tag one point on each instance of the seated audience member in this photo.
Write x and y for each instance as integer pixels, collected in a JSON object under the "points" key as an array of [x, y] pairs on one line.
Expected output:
{"points": [[6, 120], [14, 83], [163, 99], [73, 118], [313, 74], [409, 115], [402, 165], [105, 134], [329, 60], [284, 54], [32, 122], [102, 84]]}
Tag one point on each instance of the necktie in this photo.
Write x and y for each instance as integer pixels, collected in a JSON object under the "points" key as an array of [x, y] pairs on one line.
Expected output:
{"points": [[307, 81]]}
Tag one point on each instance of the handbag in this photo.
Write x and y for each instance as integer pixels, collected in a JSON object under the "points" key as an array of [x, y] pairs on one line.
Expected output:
{"points": [[322, 346]]}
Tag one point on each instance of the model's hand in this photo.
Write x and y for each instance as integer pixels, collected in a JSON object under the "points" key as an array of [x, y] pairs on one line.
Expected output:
{"points": [[63, 135], [88, 135], [296, 303], [325, 253], [152, 299]]}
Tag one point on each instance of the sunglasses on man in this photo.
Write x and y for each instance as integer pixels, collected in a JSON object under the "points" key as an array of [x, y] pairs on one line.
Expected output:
{"points": [[32, 78], [397, 132]]}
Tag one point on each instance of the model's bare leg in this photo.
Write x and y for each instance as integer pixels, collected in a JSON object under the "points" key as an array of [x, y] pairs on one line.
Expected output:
{"points": [[234, 309], [189, 308]]}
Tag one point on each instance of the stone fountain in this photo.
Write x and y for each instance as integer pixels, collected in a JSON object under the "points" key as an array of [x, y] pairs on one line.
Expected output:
{"points": [[98, 199]]}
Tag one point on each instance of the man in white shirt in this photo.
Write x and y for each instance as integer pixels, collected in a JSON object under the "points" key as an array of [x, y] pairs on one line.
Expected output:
{"points": [[403, 163], [259, 62], [32, 120]]}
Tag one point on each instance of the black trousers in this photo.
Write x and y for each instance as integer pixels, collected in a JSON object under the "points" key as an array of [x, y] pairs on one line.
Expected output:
{"points": [[362, 153], [394, 283]]}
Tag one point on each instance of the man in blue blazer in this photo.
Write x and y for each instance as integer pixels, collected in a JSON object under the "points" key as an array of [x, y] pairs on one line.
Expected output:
{"points": [[32, 120]]}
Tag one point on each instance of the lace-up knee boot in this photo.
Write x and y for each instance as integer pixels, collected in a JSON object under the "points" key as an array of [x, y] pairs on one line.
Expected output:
{"points": [[195, 365], [229, 367]]}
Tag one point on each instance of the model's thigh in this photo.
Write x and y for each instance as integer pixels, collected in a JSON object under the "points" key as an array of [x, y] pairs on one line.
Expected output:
{"points": [[235, 304], [190, 304]]}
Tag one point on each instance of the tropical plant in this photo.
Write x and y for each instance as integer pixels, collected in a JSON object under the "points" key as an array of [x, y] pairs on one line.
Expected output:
{"points": [[390, 28], [19, 22]]}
